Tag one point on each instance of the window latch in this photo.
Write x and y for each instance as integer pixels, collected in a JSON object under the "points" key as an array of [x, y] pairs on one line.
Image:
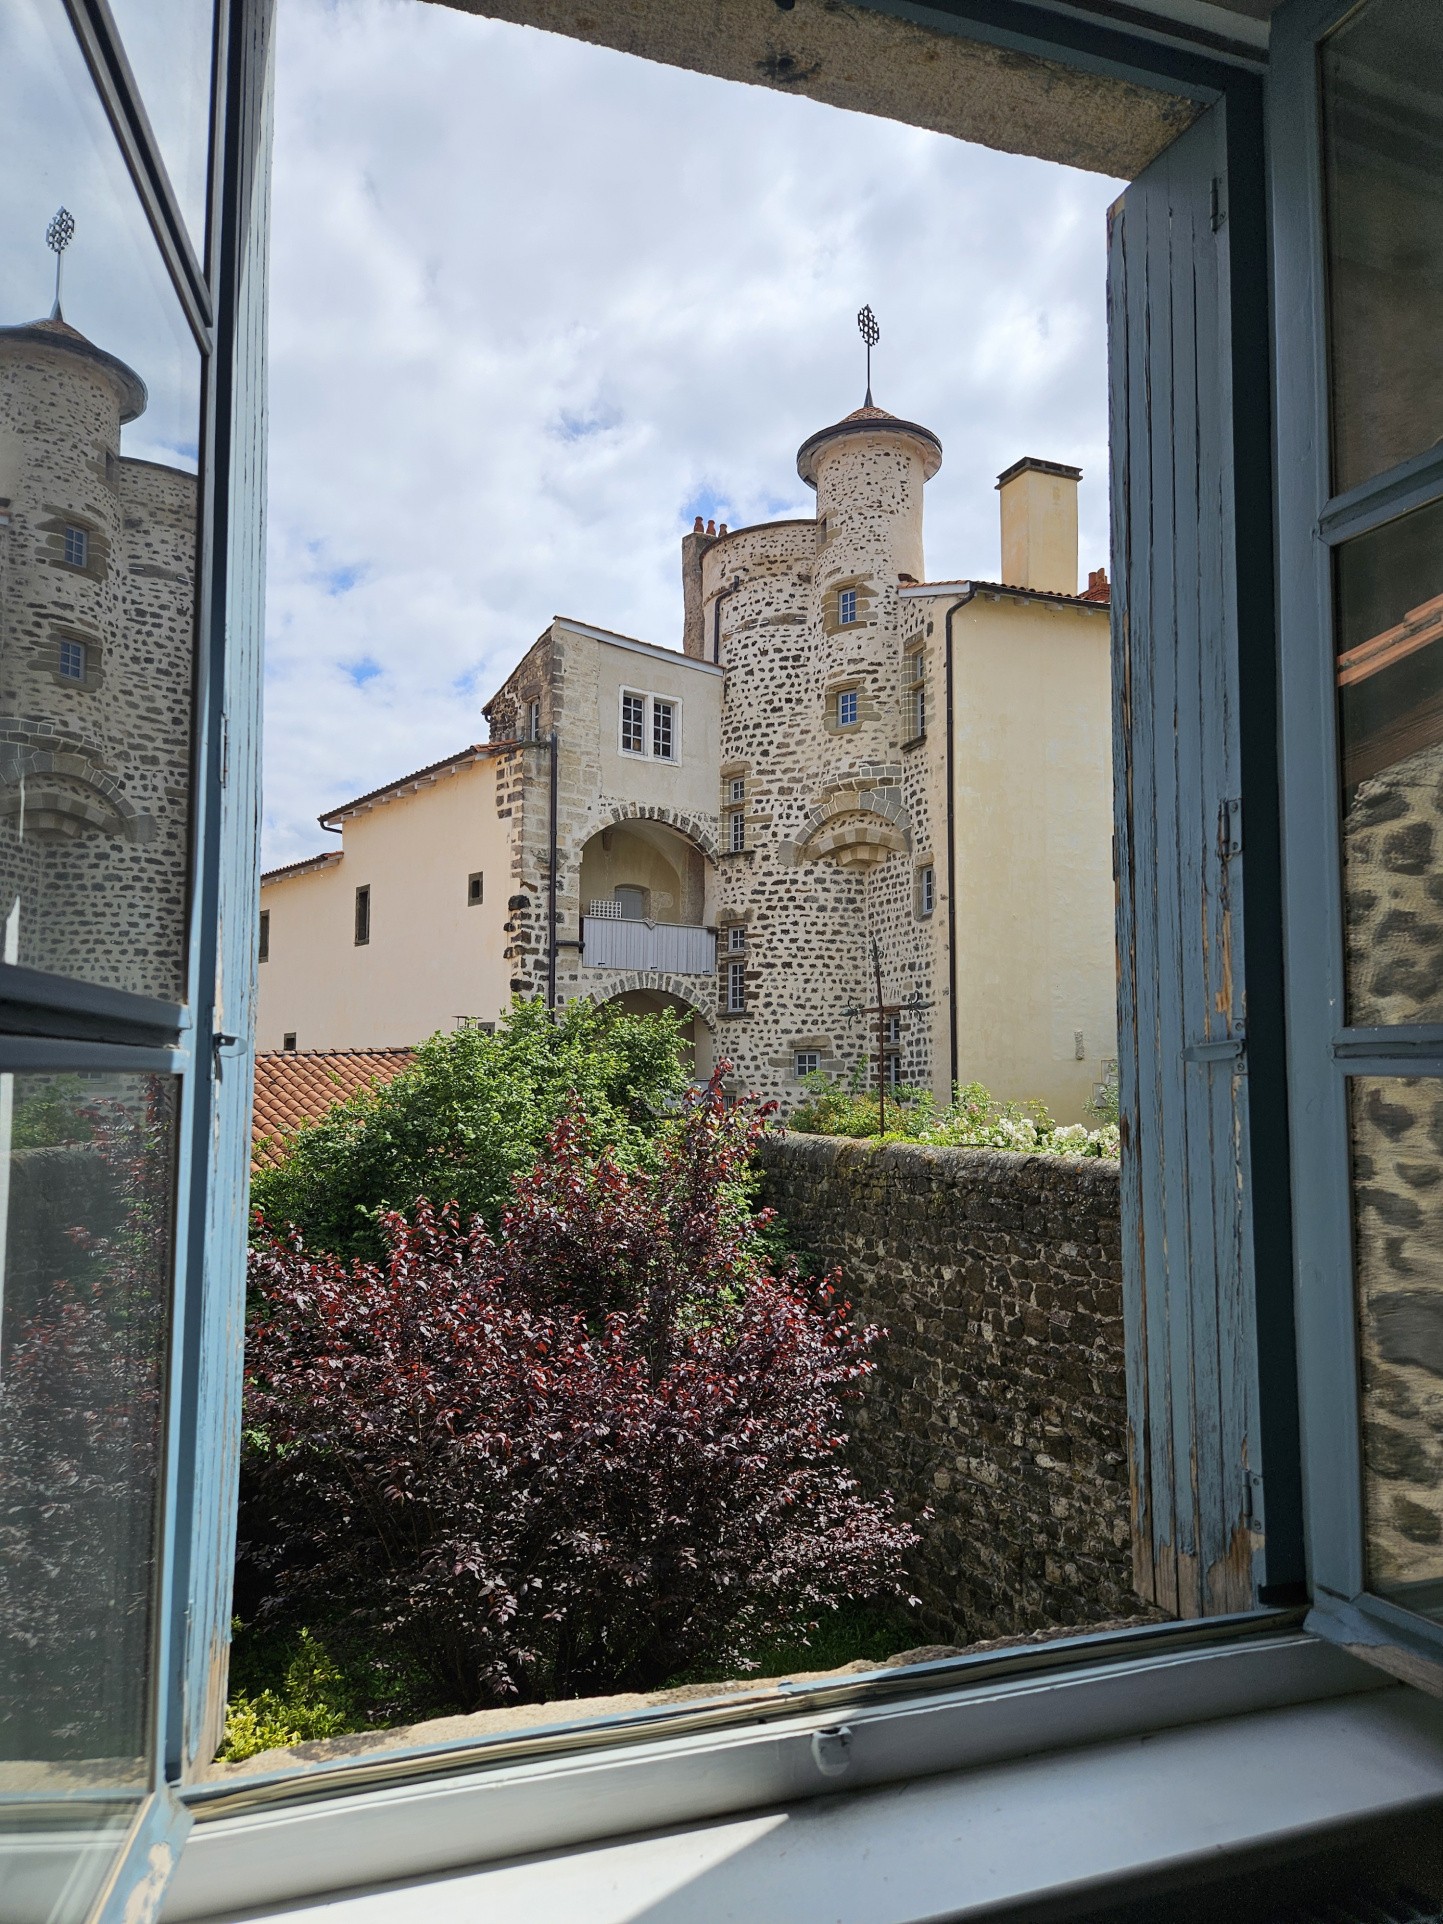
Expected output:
{"points": [[1226, 1049]]}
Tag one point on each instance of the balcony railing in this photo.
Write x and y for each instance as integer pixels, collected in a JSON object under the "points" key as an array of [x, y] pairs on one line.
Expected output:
{"points": [[673, 948]]}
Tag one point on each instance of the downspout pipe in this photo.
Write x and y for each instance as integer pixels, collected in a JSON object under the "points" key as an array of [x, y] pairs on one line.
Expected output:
{"points": [[551, 884], [952, 851]]}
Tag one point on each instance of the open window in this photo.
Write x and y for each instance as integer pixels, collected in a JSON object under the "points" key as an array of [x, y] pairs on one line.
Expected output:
{"points": [[1281, 1023]]}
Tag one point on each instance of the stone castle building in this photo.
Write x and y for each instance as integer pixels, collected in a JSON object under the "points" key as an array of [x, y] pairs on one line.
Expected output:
{"points": [[97, 620], [845, 763]]}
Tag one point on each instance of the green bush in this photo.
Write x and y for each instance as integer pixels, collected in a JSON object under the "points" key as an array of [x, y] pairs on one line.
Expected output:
{"points": [[973, 1120], [293, 1685], [469, 1115]]}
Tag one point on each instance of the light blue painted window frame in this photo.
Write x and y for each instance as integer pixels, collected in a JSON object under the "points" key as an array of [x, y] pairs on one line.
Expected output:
{"points": [[846, 607], [205, 1042], [1325, 1053], [847, 708]]}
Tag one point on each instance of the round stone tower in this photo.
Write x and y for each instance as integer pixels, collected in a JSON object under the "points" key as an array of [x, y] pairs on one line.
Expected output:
{"points": [[97, 594], [817, 815]]}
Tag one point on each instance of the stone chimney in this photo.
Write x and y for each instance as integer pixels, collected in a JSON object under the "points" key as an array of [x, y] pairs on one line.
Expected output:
{"points": [[1039, 525], [693, 620]]}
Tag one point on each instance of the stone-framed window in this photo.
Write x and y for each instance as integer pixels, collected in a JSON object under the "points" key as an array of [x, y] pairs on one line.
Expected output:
{"points": [[363, 916], [263, 943], [475, 889], [736, 937], [846, 607], [914, 693], [73, 659], [736, 988], [926, 888], [737, 789], [894, 1032], [806, 1062], [633, 723], [847, 708], [76, 545], [736, 830], [533, 721], [663, 730], [894, 1072]]}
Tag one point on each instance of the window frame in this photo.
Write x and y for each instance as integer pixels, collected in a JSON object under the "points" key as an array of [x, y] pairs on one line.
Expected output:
{"points": [[361, 924], [263, 936], [476, 889], [736, 985], [962, 1689], [1326, 1053], [82, 654], [77, 534], [846, 697], [736, 831], [813, 1056], [629, 695], [846, 607]]}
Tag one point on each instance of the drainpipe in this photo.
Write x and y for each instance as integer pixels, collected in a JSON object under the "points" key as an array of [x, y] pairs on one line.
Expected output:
{"points": [[952, 850], [551, 886]]}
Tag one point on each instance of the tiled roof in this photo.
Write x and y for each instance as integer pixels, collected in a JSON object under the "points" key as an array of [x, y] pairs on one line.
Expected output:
{"points": [[326, 859], [1097, 594], [417, 776], [295, 1086]]}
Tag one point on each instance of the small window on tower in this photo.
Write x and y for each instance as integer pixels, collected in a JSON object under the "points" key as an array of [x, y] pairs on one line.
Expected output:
{"points": [[894, 1032], [806, 1062], [533, 722], [474, 889], [847, 708], [73, 660], [363, 917], [737, 788], [737, 835], [926, 890], [263, 947], [894, 1072], [633, 724], [663, 730], [847, 607], [736, 988], [736, 936], [77, 547]]}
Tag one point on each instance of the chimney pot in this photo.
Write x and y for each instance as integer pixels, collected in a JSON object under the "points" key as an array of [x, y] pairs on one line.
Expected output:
{"points": [[722, 529], [711, 527], [696, 525]]}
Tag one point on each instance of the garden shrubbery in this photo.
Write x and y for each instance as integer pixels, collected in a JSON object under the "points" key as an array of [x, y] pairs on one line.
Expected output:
{"points": [[972, 1120], [469, 1115], [588, 1449]]}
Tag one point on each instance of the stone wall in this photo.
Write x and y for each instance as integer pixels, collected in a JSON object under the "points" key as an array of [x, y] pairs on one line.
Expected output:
{"points": [[1000, 1398]]}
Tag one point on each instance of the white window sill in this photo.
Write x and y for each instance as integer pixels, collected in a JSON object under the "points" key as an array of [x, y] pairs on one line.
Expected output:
{"points": [[997, 1795]]}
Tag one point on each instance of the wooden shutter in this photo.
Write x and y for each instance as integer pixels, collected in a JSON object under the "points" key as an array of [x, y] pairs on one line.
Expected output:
{"points": [[1191, 1373]]}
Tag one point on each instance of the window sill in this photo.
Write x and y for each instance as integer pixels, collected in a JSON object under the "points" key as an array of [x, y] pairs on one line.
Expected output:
{"points": [[917, 741], [1060, 1779]]}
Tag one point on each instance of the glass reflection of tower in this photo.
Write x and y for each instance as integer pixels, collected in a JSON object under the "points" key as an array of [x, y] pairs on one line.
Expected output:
{"points": [[97, 591]]}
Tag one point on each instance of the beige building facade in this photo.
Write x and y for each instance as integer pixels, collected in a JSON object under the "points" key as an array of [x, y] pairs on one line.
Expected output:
{"points": [[845, 766]]}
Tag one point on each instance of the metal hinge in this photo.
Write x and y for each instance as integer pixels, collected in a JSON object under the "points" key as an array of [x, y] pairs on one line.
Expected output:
{"points": [[1225, 1049], [1230, 828]]}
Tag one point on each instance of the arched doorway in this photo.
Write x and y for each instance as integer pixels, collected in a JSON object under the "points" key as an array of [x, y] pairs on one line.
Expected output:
{"points": [[699, 1054]]}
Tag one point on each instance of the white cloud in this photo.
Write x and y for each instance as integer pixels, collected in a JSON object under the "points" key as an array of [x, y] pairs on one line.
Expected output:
{"points": [[534, 304]]}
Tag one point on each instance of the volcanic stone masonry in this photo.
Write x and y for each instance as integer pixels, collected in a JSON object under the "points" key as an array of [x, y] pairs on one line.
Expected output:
{"points": [[999, 1399]]}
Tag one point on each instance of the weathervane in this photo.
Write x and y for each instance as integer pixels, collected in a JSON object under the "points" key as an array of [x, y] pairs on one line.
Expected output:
{"points": [[58, 236], [870, 332]]}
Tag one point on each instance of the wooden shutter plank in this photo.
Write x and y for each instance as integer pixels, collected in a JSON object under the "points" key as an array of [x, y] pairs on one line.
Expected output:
{"points": [[1190, 1346]]}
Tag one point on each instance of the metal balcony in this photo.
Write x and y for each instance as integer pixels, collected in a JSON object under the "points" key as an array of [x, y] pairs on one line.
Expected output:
{"points": [[671, 948]]}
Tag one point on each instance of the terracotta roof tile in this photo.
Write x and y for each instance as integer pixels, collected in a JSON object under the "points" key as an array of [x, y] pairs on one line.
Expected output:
{"points": [[295, 1086]]}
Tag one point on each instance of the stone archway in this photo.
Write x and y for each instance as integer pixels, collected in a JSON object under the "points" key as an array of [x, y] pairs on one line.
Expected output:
{"points": [[645, 990], [693, 827]]}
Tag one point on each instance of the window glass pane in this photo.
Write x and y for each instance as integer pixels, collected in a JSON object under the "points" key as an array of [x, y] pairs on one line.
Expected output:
{"points": [[1383, 133], [99, 412], [168, 44], [1398, 1233], [1390, 695], [86, 1187]]}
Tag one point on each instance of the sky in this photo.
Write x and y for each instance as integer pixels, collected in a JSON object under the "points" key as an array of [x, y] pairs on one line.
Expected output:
{"points": [[535, 305]]}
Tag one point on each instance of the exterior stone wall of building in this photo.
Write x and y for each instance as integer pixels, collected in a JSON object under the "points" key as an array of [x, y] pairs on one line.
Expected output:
{"points": [[94, 771], [999, 1398], [836, 817]]}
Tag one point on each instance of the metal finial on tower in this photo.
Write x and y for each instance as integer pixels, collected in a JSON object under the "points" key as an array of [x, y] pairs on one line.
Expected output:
{"points": [[58, 236], [870, 332]]}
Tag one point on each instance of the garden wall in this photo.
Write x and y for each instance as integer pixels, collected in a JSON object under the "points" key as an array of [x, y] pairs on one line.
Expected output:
{"points": [[1000, 1396]]}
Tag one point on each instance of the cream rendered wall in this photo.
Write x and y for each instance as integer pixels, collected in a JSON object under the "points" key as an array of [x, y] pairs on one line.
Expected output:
{"points": [[690, 784], [430, 958], [1033, 814]]}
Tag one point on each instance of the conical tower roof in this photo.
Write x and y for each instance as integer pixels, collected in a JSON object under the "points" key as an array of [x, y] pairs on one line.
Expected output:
{"points": [[58, 334], [868, 420]]}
